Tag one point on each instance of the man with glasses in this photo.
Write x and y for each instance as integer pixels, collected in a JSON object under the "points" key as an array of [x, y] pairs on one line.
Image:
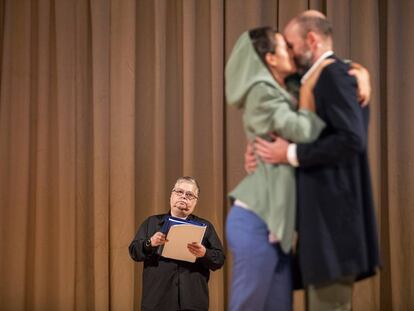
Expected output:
{"points": [[169, 284]]}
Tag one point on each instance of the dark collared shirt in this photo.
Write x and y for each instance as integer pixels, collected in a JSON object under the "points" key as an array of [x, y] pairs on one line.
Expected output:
{"points": [[169, 284]]}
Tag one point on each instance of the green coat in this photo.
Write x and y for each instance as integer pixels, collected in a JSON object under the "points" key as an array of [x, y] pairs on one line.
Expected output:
{"points": [[270, 190]]}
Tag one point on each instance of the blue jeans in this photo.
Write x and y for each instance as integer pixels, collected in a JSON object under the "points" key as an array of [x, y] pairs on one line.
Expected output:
{"points": [[262, 273]]}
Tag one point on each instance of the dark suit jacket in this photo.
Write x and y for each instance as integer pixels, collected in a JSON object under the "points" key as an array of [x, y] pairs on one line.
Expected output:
{"points": [[336, 220], [169, 284]]}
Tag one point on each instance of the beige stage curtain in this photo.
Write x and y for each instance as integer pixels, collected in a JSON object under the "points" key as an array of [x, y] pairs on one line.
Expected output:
{"points": [[104, 103]]}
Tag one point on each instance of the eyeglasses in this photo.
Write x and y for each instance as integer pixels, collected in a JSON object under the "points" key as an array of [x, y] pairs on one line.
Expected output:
{"points": [[186, 194]]}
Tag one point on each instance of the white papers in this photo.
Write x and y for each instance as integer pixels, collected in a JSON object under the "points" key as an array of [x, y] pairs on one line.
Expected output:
{"points": [[178, 237]]}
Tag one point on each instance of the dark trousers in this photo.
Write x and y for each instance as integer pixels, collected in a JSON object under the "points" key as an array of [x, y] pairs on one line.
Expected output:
{"points": [[333, 296]]}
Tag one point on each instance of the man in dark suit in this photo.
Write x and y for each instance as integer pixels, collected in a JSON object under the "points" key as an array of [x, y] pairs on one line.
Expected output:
{"points": [[336, 222], [169, 284]]}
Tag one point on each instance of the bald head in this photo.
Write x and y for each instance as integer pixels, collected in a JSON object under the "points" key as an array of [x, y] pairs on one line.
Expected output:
{"points": [[309, 35], [312, 21], [312, 13]]}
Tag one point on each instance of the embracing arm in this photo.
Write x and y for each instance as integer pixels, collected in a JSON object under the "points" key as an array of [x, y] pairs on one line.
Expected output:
{"points": [[345, 135], [362, 76], [278, 151], [269, 110]]}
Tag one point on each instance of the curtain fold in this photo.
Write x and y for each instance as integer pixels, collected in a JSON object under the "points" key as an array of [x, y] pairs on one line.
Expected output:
{"points": [[104, 103], [399, 118], [100, 26]]}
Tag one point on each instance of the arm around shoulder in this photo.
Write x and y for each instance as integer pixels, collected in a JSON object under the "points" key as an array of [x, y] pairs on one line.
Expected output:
{"points": [[270, 109], [345, 136]]}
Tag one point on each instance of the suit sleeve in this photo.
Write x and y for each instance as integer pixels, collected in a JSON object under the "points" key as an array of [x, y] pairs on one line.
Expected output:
{"points": [[268, 110], [345, 134], [214, 257]]}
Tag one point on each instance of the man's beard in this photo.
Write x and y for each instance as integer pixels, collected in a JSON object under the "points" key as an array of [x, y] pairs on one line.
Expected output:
{"points": [[304, 61]]}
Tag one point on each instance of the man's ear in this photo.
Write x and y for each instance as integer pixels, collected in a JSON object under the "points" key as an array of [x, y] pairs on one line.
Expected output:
{"points": [[311, 38], [271, 59]]}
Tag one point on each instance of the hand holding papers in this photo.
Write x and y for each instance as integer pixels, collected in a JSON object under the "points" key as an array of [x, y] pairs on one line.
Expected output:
{"points": [[197, 249], [177, 239], [179, 234]]}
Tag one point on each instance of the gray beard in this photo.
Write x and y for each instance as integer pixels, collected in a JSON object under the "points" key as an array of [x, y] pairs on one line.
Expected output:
{"points": [[304, 62]]}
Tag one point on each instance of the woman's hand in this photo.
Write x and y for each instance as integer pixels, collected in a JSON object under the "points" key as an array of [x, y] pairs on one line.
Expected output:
{"points": [[249, 159], [364, 82], [306, 98]]}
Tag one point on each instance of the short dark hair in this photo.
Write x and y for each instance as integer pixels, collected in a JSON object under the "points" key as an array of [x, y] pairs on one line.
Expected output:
{"points": [[263, 40], [313, 23], [190, 180]]}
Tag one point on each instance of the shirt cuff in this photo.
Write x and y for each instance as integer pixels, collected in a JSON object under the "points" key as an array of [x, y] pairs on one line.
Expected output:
{"points": [[292, 156]]}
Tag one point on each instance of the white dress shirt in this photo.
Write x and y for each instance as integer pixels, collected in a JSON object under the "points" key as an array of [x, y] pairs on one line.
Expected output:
{"points": [[291, 151]]}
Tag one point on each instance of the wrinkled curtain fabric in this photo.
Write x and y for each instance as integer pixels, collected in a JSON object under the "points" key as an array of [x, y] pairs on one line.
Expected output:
{"points": [[104, 103]]}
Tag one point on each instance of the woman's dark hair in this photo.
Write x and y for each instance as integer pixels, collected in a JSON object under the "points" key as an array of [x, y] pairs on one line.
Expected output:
{"points": [[263, 40]]}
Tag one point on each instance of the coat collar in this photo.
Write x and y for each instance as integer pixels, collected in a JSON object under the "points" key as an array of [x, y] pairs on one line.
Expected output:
{"points": [[315, 65], [165, 216]]}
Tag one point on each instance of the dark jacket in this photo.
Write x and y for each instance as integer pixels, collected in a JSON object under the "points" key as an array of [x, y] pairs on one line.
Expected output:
{"points": [[169, 284], [336, 220]]}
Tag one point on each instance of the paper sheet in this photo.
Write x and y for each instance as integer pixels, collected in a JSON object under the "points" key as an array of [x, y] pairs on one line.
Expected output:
{"points": [[178, 237]]}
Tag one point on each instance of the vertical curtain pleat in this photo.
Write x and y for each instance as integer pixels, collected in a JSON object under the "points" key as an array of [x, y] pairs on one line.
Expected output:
{"points": [[104, 103], [160, 49], [122, 151], [100, 154], [14, 146], [400, 126]]}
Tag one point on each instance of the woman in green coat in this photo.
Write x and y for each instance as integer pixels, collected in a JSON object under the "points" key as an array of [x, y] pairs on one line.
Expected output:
{"points": [[260, 225]]}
